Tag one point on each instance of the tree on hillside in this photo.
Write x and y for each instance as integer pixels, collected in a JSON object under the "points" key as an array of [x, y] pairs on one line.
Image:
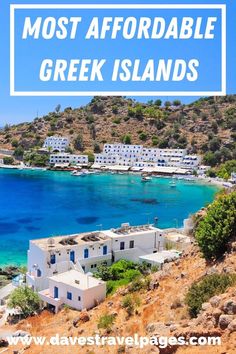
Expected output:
{"points": [[217, 227], [8, 160], [126, 139], [58, 108], [176, 103], [79, 142], [25, 299], [167, 104], [158, 103]]}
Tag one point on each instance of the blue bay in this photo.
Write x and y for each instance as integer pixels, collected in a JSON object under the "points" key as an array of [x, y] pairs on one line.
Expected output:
{"points": [[36, 204]]}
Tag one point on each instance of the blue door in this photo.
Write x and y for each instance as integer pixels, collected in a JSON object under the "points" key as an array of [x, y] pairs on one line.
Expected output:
{"points": [[56, 292], [72, 256], [104, 250]]}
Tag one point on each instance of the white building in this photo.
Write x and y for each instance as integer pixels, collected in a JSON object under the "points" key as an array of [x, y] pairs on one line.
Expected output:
{"points": [[51, 256], [56, 143], [159, 258], [131, 242], [85, 252], [75, 289], [61, 158], [191, 161], [139, 156]]}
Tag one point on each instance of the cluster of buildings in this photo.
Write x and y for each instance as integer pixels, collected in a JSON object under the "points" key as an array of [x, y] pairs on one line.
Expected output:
{"points": [[125, 157], [138, 156], [61, 269], [59, 156]]}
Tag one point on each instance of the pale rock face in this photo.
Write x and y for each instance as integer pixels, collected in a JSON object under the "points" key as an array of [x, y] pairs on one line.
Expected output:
{"points": [[215, 301], [157, 328], [206, 306]]}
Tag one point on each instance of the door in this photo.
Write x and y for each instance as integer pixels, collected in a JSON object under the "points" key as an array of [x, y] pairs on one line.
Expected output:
{"points": [[56, 292], [72, 256]]}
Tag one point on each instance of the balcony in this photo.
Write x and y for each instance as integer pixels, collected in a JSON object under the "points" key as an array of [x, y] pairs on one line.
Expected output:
{"points": [[99, 258], [46, 297]]}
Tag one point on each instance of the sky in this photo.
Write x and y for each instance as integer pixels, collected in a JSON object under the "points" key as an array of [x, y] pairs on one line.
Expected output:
{"points": [[20, 109]]}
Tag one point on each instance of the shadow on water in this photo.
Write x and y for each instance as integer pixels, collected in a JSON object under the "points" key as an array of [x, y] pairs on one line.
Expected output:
{"points": [[87, 220]]}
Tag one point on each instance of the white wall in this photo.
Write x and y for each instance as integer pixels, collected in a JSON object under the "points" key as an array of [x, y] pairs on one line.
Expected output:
{"points": [[88, 297], [144, 243]]}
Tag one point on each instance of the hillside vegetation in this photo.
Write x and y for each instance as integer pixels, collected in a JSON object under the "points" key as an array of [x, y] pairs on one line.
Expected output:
{"points": [[207, 126]]}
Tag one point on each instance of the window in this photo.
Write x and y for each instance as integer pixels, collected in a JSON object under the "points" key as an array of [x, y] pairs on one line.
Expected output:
{"points": [[122, 245], [69, 295], [53, 259], [104, 250], [86, 253], [131, 244], [79, 298], [91, 265], [95, 265]]}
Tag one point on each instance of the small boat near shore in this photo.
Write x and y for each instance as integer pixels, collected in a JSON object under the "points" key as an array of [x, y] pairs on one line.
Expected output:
{"points": [[172, 184], [146, 179]]}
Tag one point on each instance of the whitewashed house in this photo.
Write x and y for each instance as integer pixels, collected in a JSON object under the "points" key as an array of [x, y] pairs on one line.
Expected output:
{"points": [[75, 289], [56, 143], [51, 256], [66, 158], [85, 252]]}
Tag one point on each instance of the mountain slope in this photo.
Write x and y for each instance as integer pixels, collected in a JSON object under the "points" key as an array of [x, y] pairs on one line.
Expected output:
{"points": [[205, 125]]}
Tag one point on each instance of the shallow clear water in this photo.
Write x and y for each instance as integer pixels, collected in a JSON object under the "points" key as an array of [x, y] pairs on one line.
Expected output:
{"points": [[36, 204]]}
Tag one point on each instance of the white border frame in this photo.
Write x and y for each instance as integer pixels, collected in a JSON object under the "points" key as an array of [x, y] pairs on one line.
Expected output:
{"points": [[14, 7]]}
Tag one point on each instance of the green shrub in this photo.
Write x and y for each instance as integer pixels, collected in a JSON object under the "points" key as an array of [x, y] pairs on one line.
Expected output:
{"points": [[106, 321], [209, 286], [143, 136], [117, 120], [217, 227], [19, 152], [15, 143], [130, 303], [139, 283], [155, 140], [35, 159], [114, 109], [225, 170], [25, 299], [8, 160], [113, 285], [126, 139], [131, 274]]}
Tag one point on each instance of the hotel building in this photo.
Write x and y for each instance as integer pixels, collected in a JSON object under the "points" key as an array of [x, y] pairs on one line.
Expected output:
{"points": [[56, 143]]}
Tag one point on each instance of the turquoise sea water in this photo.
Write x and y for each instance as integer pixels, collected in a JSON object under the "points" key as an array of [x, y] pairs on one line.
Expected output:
{"points": [[35, 204]]}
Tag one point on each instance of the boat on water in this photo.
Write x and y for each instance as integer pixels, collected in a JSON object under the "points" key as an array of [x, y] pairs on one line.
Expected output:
{"points": [[83, 173], [146, 179], [78, 173], [172, 184]]}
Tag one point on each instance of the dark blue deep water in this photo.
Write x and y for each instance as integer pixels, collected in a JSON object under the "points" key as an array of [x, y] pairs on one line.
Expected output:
{"points": [[36, 204]]}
